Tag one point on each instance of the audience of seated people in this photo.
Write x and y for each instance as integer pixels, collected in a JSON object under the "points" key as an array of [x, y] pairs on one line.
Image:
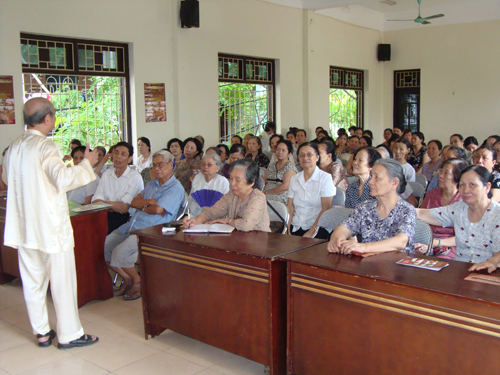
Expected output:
{"points": [[305, 176]]}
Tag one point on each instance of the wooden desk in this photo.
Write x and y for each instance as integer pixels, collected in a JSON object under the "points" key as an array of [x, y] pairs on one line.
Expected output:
{"points": [[89, 231], [349, 315], [228, 291]]}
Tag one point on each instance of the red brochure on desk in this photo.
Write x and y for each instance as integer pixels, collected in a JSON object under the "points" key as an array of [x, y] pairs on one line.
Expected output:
{"points": [[428, 264]]}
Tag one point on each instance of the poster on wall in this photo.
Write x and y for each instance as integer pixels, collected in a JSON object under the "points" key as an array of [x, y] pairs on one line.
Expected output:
{"points": [[7, 113], [155, 102]]}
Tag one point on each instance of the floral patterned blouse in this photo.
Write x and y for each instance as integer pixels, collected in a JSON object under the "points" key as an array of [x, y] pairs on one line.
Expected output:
{"points": [[365, 221], [250, 214], [415, 160], [476, 242], [339, 175], [260, 159], [275, 179], [184, 170]]}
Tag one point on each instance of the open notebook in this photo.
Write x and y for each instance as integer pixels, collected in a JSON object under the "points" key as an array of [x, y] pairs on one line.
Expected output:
{"points": [[210, 228]]}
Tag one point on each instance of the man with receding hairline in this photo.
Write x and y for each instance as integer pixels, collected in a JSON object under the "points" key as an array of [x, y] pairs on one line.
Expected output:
{"points": [[38, 224]]}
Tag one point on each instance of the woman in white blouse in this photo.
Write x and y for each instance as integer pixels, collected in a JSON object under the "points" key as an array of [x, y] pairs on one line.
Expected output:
{"points": [[146, 159], [310, 194], [208, 179]]}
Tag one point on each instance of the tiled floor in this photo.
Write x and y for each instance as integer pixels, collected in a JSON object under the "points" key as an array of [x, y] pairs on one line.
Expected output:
{"points": [[121, 350]]}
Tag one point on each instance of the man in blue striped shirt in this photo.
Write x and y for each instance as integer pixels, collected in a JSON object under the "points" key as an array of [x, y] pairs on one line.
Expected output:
{"points": [[158, 203]]}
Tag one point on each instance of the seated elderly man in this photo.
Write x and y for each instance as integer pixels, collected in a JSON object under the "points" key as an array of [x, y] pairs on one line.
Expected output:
{"points": [[158, 203], [119, 185]]}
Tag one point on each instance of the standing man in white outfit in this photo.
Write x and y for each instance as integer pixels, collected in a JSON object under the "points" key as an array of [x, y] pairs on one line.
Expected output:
{"points": [[38, 224]]}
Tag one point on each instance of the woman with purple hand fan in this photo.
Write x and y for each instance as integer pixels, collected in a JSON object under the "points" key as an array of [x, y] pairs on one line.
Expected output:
{"points": [[208, 187]]}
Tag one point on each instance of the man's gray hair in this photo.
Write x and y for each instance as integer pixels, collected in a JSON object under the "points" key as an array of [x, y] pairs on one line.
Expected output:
{"points": [[394, 170], [39, 116], [167, 156], [215, 157]]}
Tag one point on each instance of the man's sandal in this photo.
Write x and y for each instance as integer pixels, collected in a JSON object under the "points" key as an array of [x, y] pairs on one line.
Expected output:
{"points": [[45, 344], [85, 340]]}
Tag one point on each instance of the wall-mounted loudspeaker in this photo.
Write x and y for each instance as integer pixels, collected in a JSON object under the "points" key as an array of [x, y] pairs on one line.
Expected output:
{"points": [[190, 14], [384, 52]]}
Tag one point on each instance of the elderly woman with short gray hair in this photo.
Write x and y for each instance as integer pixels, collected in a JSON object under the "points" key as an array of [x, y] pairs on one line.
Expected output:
{"points": [[244, 206], [384, 224], [208, 179]]}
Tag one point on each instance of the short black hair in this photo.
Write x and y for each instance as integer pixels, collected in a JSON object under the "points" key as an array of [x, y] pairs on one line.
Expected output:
{"points": [[490, 149], [237, 136], [353, 128], [127, 145], [199, 146], [471, 141], [457, 135], [420, 135], [270, 125], [373, 155], [370, 133], [252, 172], [78, 149], [330, 148], [301, 130], [367, 139], [146, 142], [274, 136], [238, 148], [288, 145], [75, 141], [438, 144], [226, 149], [483, 174], [175, 140]]}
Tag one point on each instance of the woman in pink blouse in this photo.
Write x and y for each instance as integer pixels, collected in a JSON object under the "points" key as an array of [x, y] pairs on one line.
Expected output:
{"points": [[445, 194], [244, 207]]}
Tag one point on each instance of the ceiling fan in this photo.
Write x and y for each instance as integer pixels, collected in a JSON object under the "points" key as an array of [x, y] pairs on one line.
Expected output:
{"points": [[422, 20]]}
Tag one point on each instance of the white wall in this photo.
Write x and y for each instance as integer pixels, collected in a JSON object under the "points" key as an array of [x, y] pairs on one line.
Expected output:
{"points": [[460, 77]]}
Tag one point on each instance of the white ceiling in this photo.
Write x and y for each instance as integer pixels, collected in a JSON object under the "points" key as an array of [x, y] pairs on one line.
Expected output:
{"points": [[375, 14]]}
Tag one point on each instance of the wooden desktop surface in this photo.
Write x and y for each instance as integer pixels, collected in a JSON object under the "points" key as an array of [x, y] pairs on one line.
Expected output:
{"points": [[353, 315], [228, 291], [89, 231]]}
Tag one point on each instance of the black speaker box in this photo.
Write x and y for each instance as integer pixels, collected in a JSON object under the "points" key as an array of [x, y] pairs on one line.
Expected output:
{"points": [[384, 52], [190, 14]]}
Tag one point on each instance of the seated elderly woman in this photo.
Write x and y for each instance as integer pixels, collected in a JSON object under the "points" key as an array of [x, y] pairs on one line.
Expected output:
{"points": [[444, 195], [310, 194], [84, 194], [254, 149], [384, 224], [237, 152], [244, 207], [280, 173], [475, 218], [208, 186], [359, 191]]}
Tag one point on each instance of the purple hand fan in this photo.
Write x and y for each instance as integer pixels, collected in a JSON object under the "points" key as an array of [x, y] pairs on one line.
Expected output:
{"points": [[206, 197]]}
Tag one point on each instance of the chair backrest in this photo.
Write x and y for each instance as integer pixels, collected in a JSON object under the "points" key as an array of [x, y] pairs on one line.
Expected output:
{"points": [[339, 198], [423, 234], [418, 189], [182, 210], [332, 218], [344, 162], [421, 179], [281, 209]]}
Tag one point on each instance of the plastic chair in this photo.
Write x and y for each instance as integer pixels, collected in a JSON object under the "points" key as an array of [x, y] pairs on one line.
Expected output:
{"points": [[339, 198], [418, 190], [281, 209], [423, 234], [421, 179], [332, 218]]}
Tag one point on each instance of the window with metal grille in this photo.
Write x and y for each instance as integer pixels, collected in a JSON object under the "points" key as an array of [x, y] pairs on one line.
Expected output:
{"points": [[88, 83], [246, 95], [407, 99], [346, 98]]}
